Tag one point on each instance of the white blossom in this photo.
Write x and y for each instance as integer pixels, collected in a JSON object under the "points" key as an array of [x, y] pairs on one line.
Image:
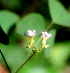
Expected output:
{"points": [[46, 35], [30, 33]]}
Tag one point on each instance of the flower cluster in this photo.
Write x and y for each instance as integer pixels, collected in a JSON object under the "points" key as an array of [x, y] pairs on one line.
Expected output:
{"points": [[32, 34]]}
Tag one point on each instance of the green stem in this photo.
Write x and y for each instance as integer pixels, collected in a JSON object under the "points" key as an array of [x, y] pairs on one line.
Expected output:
{"points": [[25, 61], [5, 61], [31, 53]]}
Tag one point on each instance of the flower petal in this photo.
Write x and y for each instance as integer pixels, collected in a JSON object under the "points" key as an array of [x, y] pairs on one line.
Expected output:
{"points": [[49, 35], [45, 34], [30, 33], [34, 33]]}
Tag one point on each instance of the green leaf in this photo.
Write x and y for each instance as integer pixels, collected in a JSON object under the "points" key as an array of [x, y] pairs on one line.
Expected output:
{"points": [[60, 54], [7, 20], [50, 42], [35, 69], [14, 55], [58, 13], [33, 21]]}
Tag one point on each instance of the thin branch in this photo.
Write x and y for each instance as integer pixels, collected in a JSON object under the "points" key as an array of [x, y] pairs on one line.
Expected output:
{"points": [[49, 26], [5, 61], [26, 59]]}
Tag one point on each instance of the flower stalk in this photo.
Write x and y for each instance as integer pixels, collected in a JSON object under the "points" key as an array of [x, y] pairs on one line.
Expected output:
{"points": [[31, 34], [5, 61], [29, 56]]}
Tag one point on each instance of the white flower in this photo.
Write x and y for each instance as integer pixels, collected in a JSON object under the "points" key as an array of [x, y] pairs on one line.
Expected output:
{"points": [[30, 33], [46, 35]]}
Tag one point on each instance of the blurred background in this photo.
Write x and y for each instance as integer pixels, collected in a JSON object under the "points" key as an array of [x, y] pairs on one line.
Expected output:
{"points": [[54, 60]]}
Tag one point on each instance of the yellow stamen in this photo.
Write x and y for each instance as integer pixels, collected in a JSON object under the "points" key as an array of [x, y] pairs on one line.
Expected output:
{"points": [[44, 43], [44, 40], [31, 39], [46, 46]]}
